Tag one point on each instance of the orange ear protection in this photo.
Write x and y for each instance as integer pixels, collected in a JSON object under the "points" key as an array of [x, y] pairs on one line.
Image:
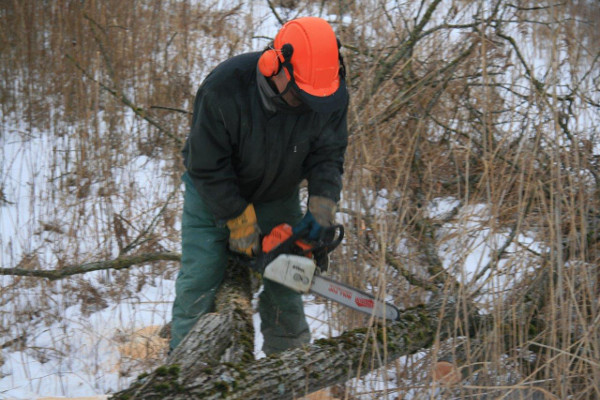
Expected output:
{"points": [[269, 63]]}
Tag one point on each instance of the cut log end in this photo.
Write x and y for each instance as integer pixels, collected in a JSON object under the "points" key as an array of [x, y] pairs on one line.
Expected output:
{"points": [[445, 373]]}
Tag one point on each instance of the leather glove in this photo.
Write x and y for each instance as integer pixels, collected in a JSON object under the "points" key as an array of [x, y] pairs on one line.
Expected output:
{"points": [[320, 214], [244, 233]]}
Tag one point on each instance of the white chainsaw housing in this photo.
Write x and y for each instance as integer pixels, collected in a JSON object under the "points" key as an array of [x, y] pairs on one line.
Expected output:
{"points": [[294, 272]]}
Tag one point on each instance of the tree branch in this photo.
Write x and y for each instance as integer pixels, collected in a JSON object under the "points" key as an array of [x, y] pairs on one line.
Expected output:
{"points": [[390, 259], [117, 263], [275, 13], [179, 110], [121, 96], [405, 48]]}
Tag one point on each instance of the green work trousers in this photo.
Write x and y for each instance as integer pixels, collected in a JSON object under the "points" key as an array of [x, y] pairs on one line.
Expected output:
{"points": [[203, 263]]}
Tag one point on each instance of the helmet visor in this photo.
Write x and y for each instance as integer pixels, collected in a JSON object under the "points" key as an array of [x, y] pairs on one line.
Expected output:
{"points": [[322, 104]]}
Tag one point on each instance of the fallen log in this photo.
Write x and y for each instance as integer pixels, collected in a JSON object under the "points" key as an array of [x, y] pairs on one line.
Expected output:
{"points": [[225, 336], [196, 370]]}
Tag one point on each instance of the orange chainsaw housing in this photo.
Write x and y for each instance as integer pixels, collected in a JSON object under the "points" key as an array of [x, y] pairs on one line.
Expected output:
{"points": [[280, 234]]}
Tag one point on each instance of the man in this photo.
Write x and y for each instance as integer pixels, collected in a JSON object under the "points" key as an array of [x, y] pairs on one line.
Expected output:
{"points": [[262, 123]]}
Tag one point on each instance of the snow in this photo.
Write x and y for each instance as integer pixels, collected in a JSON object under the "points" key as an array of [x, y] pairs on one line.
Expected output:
{"points": [[89, 341], [78, 353], [93, 351], [74, 351]]}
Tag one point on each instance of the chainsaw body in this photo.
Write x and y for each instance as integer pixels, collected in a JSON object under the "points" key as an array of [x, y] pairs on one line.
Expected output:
{"points": [[293, 271]]}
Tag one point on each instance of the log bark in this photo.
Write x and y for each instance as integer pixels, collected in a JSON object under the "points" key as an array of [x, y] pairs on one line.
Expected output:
{"points": [[225, 336], [196, 371]]}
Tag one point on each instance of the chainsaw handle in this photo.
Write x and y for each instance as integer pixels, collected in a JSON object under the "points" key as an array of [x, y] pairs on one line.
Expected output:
{"points": [[328, 240]]}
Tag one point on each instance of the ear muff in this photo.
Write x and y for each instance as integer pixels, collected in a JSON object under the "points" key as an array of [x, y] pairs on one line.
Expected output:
{"points": [[269, 63]]}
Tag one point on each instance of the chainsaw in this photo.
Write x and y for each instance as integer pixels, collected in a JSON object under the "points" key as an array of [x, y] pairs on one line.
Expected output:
{"points": [[293, 261]]}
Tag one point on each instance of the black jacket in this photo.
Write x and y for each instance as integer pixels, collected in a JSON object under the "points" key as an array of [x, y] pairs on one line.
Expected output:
{"points": [[237, 152]]}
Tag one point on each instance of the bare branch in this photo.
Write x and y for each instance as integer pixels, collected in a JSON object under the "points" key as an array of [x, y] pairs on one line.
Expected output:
{"points": [[405, 49], [116, 264], [179, 110], [105, 55], [509, 240], [390, 258], [125, 100], [275, 13], [140, 239]]}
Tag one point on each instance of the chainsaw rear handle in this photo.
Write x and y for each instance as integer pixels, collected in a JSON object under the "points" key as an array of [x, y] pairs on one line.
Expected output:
{"points": [[331, 238]]}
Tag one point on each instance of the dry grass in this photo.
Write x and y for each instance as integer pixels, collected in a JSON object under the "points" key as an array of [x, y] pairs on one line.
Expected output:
{"points": [[488, 106]]}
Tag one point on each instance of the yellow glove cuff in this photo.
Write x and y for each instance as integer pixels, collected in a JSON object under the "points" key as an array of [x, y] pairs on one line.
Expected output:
{"points": [[244, 220]]}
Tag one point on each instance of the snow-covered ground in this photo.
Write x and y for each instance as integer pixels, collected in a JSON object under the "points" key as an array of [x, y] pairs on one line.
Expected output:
{"points": [[73, 337], [78, 337], [65, 338], [82, 353]]}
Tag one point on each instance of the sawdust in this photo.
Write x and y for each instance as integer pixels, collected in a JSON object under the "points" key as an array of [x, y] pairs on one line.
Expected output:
{"points": [[324, 394], [144, 348]]}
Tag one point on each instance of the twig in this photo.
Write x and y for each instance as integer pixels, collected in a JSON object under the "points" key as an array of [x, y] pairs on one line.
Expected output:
{"points": [[427, 80], [272, 7], [105, 55], [138, 240], [391, 260], [405, 48], [121, 96], [410, 277], [535, 8], [179, 110], [18, 340], [537, 84]]}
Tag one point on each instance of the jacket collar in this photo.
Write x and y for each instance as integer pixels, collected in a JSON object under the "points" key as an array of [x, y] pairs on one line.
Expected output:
{"points": [[270, 99]]}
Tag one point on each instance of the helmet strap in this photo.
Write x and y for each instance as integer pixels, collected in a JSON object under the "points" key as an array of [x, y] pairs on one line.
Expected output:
{"points": [[287, 89], [286, 51]]}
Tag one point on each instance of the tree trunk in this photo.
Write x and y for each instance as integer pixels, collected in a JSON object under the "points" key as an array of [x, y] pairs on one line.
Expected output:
{"points": [[213, 361], [225, 336]]}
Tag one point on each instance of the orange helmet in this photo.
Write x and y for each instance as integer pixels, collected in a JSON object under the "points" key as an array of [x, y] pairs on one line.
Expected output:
{"points": [[309, 52]]}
